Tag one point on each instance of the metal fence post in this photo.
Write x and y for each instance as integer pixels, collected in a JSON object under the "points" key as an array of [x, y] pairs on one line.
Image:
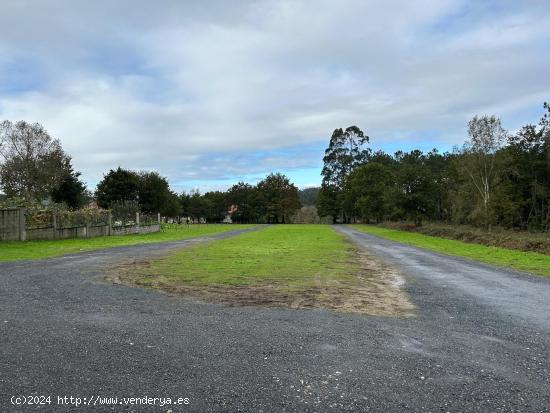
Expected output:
{"points": [[110, 222], [158, 217], [137, 219]]}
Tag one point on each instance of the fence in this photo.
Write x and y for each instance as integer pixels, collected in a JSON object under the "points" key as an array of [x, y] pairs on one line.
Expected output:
{"points": [[16, 225]]}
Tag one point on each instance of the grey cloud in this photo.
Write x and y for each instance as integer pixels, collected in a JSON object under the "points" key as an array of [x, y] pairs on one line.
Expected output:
{"points": [[192, 89]]}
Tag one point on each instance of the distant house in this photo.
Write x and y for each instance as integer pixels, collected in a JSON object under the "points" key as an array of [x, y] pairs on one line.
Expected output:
{"points": [[228, 218]]}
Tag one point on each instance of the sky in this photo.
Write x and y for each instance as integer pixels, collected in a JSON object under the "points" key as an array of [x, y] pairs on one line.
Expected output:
{"points": [[212, 92]]}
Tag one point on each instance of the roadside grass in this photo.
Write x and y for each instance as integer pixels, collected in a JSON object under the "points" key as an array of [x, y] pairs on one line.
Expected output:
{"points": [[291, 257], [31, 250], [498, 237], [530, 262]]}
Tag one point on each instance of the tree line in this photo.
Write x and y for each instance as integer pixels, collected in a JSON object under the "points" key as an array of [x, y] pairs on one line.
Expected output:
{"points": [[272, 200], [35, 170], [495, 178]]}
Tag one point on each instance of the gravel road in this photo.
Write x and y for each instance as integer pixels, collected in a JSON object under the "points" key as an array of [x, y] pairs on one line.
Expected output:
{"points": [[479, 341]]}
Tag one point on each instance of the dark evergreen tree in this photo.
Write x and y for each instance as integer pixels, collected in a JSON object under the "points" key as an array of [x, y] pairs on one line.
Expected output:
{"points": [[278, 197], [153, 192], [118, 185], [71, 191]]}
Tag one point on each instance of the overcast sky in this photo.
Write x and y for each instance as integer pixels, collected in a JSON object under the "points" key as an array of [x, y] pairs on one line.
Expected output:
{"points": [[211, 92]]}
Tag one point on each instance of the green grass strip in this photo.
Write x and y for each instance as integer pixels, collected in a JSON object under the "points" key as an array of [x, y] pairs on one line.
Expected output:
{"points": [[31, 250], [296, 256], [531, 262]]}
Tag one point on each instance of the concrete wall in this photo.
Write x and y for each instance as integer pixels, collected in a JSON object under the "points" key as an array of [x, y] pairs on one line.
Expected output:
{"points": [[10, 224], [40, 233], [135, 229], [101, 231], [66, 233], [12, 228], [149, 228]]}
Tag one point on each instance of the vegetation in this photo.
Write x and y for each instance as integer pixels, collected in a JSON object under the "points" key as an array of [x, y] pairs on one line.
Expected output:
{"points": [[148, 190], [71, 191], [346, 151], [308, 215], [33, 166], [531, 262], [296, 266], [30, 250], [499, 237], [118, 185], [273, 200], [496, 178], [279, 198], [292, 256], [308, 196], [36, 173]]}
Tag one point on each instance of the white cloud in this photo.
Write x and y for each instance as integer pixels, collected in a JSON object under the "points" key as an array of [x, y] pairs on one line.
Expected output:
{"points": [[193, 89]]}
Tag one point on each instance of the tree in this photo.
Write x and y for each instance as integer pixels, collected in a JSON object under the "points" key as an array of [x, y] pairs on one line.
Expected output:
{"points": [[528, 174], [442, 184], [118, 185], [346, 150], [172, 208], [279, 198], [218, 205], [153, 192], [32, 163], [71, 191], [416, 191], [308, 196], [485, 136], [370, 189], [327, 202], [245, 198], [198, 206], [184, 202]]}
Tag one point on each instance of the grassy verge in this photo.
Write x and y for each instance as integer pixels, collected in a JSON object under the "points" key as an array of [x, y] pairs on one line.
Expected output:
{"points": [[293, 256], [498, 237], [531, 262], [12, 251]]}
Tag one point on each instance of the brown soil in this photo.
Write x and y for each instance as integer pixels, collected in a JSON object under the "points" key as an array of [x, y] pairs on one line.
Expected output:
{"points": [[376, 290]]}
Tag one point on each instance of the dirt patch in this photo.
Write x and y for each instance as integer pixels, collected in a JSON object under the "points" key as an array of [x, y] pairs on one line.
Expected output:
{"points": [[375, 289]]}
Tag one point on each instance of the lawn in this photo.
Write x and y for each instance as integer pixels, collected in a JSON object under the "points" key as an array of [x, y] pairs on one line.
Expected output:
{"points": [[531, 262], [296, 256], [29, 250], [296, 266]]}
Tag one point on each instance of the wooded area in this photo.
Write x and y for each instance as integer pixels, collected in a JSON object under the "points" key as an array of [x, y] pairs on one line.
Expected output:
{"points": [[495, 178]]}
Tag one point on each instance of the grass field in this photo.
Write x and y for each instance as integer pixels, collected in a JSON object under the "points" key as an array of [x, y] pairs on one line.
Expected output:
{"points": [[531, 262], [296, 266], [29, 250], [294, 255]]}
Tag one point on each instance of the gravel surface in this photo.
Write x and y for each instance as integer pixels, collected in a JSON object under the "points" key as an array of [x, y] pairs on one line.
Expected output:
{"points": [[479, 341]]}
